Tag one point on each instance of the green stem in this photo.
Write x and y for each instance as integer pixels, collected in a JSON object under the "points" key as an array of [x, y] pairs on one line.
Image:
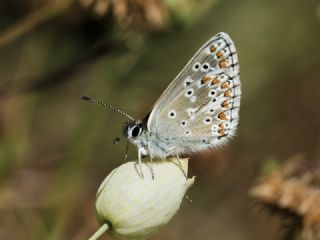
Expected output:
{"points": [[104, 227]]}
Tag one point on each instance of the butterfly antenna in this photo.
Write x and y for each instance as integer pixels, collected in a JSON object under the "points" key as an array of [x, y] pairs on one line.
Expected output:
{"points": [[85, 98]]}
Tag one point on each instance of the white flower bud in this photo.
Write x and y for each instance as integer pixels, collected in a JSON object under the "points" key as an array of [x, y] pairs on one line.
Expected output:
{"points": [[133, 207]]}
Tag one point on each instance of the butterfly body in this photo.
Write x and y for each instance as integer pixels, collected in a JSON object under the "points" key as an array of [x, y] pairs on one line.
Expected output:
{"points": [[162, 146], [199, 110]]}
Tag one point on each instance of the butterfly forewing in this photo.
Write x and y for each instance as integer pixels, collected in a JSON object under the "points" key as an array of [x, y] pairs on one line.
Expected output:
{"points": [[201, 106]]}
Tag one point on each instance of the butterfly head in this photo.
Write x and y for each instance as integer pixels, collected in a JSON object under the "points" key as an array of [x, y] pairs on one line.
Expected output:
{"points": [[133, 129]]}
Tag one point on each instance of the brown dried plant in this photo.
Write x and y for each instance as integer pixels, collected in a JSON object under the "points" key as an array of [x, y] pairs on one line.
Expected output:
{"points": [[143, 14], [293, 188]]}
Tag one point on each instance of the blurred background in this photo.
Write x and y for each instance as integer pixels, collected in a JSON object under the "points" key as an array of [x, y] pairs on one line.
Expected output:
{"points": [[56, 149]]}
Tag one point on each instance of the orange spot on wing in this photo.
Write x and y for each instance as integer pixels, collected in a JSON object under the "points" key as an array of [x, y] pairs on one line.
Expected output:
{"points": [[224, 85], [221, 131], [223, 63], [225, 104], [205, 79], [212, 49], [221, 125], [219, 54], [222, 116], [215, 81], [227, 93]]}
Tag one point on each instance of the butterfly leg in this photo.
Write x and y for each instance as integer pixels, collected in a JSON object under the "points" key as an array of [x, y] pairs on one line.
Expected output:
{"points": [[181, 167], [185, 175], [152, 171], [140, 162], [189, 199], [151, 157]]}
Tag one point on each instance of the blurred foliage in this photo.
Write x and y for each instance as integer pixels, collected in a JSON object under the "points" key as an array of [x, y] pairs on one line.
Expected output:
{"points": [[55, 149]]}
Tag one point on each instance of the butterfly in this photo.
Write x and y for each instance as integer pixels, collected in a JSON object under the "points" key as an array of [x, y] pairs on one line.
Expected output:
{"points": [[199, 110]]}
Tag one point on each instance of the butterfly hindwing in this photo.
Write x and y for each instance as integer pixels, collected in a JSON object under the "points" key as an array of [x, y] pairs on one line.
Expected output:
{"points": [[201, 106]]}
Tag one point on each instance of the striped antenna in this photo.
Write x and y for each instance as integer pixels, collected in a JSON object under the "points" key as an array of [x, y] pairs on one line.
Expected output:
{"points": [[85, 98]]}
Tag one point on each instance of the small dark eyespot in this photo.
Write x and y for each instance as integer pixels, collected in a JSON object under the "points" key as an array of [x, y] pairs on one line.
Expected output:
{"points": [[204, 141], [172, 114], [196, 66], [214, 100], [205, 67]]}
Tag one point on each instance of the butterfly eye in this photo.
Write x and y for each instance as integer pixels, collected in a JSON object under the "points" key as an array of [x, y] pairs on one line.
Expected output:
{"points": [[136, 131]]}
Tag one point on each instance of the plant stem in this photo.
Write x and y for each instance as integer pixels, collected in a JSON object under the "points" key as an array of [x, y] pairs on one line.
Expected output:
{"points": [[35, 18], [104, 227]]}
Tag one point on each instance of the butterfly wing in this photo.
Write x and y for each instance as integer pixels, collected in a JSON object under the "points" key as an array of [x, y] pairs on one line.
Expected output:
{"points": [[200, 108]]}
